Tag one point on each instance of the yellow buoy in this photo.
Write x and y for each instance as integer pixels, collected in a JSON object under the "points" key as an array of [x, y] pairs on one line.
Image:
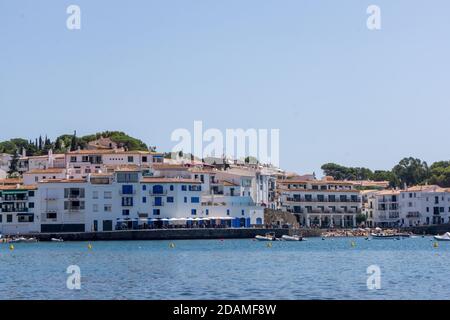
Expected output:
{"points": [[269, 245], [172, 245], [435, 244], [90, 246], [11, 247]]}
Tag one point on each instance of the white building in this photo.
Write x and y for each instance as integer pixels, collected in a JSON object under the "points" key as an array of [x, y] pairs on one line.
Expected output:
{"points": [[415, 206], [321, 203], [424, 205], [383, 209], [19, 209]]}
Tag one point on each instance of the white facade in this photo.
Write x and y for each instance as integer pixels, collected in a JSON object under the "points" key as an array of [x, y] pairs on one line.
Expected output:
{"points": [[415, 206], [321, 203], [18, 208]]}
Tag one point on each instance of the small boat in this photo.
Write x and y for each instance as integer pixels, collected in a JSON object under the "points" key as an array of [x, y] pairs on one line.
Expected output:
{"points": [[267, 237], [23, 240], [444, 237], [383, 236], [291, 238], [57, 239]]}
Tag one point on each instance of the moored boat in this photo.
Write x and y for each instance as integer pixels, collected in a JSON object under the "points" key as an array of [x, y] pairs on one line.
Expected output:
{"points": [[444, 237], [291, 238], [270, 236], [57, 240], [382, 236], [22, 240]]}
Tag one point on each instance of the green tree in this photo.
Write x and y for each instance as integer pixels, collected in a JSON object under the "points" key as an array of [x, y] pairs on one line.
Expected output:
{"points": [[440, 174], [14, 165], [411, 171]]}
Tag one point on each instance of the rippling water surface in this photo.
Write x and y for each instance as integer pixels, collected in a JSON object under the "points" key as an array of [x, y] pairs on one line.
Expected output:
{"points": [[230, 269]]}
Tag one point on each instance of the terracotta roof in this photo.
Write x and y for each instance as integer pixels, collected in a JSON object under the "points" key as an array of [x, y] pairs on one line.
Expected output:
{"points": [[165, 166], [205, 171], [109, 151], [425, 188], [315, 182], [168, 180], [19, 187], [63, 181], [50, 170], [230, 184], [388, 192], [11, 181]]}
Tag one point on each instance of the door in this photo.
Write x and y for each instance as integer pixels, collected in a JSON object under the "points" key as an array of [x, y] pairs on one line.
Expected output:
{"points": [[107, 225]]}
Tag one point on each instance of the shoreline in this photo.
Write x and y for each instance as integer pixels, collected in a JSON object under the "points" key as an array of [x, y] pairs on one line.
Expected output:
{"points": [[160, 234]]}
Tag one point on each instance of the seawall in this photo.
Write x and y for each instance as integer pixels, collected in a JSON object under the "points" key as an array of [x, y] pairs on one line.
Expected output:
{"points": [[160, 234], [429, 230]]}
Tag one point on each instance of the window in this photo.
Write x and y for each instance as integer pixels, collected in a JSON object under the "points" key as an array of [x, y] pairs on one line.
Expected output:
{"points": [[73, 159], [183, 188], [185, 199], [1, 218], [130, 159], [127, 189], [195, 188], [228, 212], [169, 199], [95, 195], [107, 195], [144, 199], [158, 201], [207, 211], [95, 208], [31, 193], [51, 215], [125, 212], [144, 187], [428, 209], [31, 205], [156, 212], [144, 159], [171, 187], [107, 208], [158, 189], [194, 212], [243, 212], [9, 218], [195, 199], [127, 177], [127, 201]]}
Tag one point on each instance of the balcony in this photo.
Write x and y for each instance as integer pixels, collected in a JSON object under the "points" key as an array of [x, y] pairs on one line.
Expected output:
{"points": [[413, 215], [160, 193], [15, 197], [9, 210], [324, 200]]}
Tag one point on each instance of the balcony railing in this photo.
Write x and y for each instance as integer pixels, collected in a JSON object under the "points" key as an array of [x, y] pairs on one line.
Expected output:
{"points": [[337, 200], [160, 193], [14, 209]]}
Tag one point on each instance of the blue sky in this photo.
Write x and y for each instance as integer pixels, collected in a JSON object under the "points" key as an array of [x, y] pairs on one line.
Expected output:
{"points": [[337, 91]]}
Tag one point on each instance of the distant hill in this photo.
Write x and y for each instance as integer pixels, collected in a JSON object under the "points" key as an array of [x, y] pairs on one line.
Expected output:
{"points": [[68, 142]]}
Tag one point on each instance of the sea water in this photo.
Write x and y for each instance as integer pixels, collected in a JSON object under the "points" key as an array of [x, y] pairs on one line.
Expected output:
{"points": [[335, 268]]}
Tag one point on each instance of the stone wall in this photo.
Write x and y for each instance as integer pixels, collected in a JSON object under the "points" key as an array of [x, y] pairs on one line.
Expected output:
{"points": [[279, 217], [429, 230], [161, 234]]}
